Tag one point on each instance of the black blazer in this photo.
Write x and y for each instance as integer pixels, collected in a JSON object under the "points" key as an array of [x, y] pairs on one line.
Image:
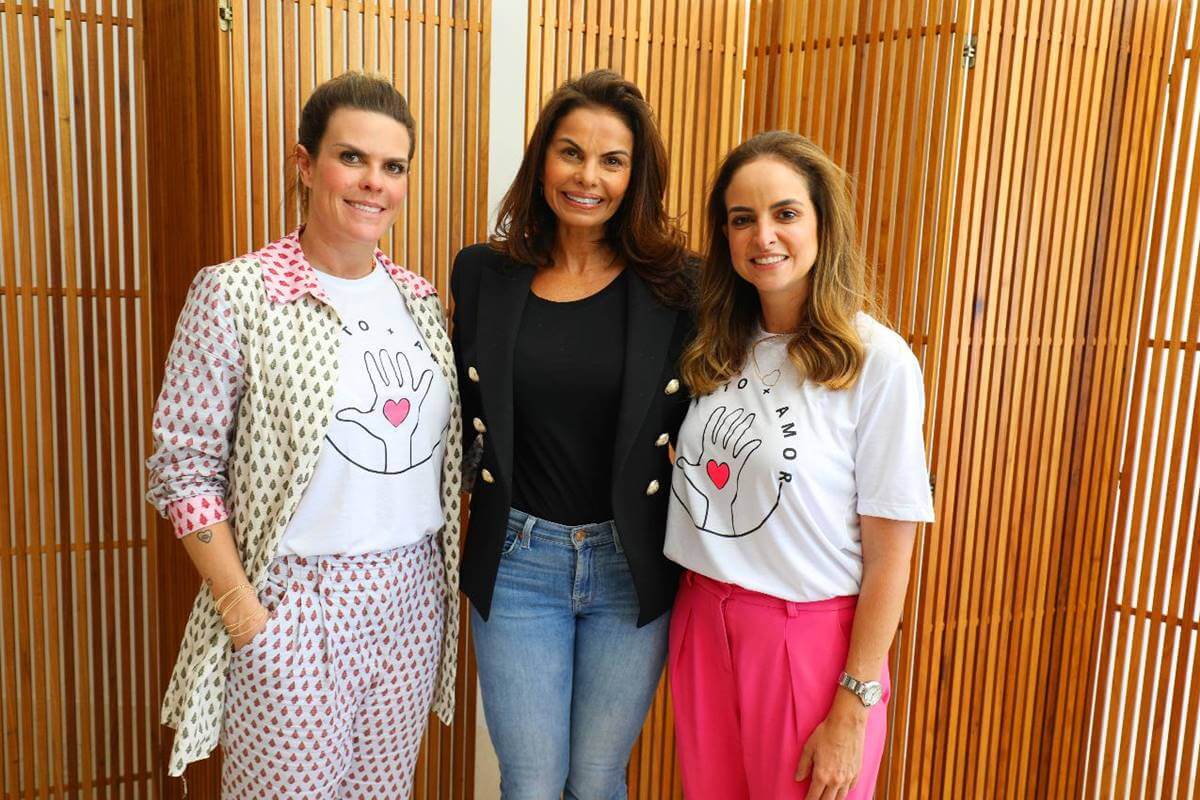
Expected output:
{"points": [[489, 293]]}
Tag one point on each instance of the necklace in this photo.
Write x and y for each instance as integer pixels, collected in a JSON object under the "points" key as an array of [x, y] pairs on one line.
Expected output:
{"points": [[774, 374]]}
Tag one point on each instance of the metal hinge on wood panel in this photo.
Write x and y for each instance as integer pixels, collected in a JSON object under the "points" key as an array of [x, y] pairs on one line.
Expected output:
{"points": [[225, 15], [969, 50]]}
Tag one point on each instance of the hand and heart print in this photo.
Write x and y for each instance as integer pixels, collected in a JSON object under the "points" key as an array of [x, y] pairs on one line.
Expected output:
{"points": [[382, 437], [707, 483]]}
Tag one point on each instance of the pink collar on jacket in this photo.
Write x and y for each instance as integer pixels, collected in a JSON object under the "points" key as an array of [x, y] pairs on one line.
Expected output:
{"points": [[288, 275]]}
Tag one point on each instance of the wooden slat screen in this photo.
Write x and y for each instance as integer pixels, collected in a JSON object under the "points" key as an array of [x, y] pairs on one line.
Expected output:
{"points": [[77, 620], [687, 58], [437, 52], [1146, 714], [999, 205], [1033, 222]]}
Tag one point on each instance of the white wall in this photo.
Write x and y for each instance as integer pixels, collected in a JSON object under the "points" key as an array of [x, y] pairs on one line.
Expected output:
{"points": [[510, 32], [506, 143]]}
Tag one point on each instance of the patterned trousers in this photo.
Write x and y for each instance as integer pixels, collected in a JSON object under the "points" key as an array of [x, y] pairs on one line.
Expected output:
{"points": [[330, 700]]}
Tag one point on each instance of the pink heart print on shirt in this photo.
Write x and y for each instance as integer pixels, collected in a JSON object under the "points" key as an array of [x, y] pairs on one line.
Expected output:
{"points": [[717, 473], [383, 436], [396, 412]]}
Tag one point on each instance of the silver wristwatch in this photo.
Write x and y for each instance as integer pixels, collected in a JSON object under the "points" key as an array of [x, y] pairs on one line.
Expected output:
{"points": [[868, 692]]}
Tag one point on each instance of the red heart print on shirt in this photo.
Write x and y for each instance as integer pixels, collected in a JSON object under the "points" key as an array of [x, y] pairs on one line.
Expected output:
{"points": [[717, 473]]}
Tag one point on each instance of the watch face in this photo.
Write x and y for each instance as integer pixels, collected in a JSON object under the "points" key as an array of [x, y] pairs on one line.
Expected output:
{"points": [[871, 693]]}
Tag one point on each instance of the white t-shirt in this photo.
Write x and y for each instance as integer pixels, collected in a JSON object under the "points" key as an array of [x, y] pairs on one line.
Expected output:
{"points": [[377, 483], [772, 472]]}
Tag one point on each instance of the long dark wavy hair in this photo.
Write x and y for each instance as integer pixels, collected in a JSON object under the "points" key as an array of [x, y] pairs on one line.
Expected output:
{"points": [[641, 233], [826, 348]]}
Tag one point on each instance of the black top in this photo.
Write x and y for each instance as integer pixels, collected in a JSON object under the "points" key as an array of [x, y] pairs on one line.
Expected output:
{"points": [[491, 293], [567, 368]]}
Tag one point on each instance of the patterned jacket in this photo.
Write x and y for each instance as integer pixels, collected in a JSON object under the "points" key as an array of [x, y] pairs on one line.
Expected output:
{"points": [[245, 403]]}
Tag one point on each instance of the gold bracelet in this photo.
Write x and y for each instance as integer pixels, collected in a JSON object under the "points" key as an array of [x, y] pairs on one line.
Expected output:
{"points": [[246, 624], [235, 602], [236, 590], [241, 593]]}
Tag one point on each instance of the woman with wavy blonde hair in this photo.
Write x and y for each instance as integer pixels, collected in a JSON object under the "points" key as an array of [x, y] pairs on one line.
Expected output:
{"points": [[799, 481]]}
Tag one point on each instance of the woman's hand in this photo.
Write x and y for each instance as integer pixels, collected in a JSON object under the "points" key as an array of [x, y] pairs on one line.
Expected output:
{"points": [[833, 754], [248, 617], [215, 555]]}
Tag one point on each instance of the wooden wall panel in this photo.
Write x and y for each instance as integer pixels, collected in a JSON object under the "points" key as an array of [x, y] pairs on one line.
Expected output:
{"points": [[1144, 733], [1033, 224], [183, 165], [77, 667], [1003, 208], [437, 53]]}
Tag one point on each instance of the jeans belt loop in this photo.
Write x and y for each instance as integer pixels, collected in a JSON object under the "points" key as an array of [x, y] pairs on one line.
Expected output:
{"points": [[527, 530], [793, 609]]}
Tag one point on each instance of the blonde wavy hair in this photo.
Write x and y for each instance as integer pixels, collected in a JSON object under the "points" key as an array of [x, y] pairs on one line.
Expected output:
{"points": [[826, 348]]}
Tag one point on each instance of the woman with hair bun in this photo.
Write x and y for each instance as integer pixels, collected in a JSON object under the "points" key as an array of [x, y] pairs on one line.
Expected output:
{"points": [[308, 451], [799, 481]]}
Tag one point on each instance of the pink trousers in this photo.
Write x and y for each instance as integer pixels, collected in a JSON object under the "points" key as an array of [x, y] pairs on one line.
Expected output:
{"points": [[751, 677], [330, 700]]}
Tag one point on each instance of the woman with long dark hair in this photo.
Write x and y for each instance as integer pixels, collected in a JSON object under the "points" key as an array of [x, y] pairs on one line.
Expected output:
{"points": [[799, 481], [567, 328]]}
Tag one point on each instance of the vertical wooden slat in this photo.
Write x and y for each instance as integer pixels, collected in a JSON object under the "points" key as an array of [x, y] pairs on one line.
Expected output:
{"points": [[84, 309], [1013, 358], [11, 220], [1171, 512], [323, 41], [53, 504], [338, 36], [292, 66], [1025, 554], [935, 588], [1136, 613], [272, 46], [354, 36], [134, 523], [533, 64], [1068, 186], [61, 270], [370, 35], [75, 661], [575, 40]]}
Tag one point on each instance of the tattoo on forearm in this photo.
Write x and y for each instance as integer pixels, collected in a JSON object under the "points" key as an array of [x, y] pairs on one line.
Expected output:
{"points": [[205, 536]]}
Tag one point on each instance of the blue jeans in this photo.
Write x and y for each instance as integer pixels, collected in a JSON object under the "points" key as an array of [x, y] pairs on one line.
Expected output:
{"points": [[566, 674]]}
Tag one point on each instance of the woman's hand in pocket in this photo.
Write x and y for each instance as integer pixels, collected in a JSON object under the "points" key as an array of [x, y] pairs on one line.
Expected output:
{"points": [[248, 619]]}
